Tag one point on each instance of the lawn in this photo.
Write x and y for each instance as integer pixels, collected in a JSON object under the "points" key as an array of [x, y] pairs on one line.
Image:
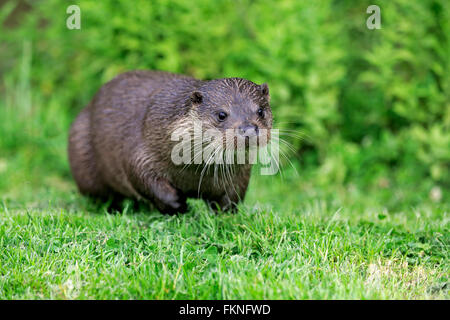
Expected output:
{"points": [[55, 244]]}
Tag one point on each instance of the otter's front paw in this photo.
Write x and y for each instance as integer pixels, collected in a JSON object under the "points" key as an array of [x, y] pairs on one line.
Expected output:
{"points": [[169, 199], [224, 204], [175, 203]]}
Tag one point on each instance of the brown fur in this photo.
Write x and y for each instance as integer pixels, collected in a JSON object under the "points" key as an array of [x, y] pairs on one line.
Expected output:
{"points": [[120, 143]]}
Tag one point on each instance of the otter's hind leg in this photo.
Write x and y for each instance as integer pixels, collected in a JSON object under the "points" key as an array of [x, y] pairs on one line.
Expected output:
{"points": [[82, 158]]}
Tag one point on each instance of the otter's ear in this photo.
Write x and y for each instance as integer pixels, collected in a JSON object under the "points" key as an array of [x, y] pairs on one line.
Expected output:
{"points": [[196, 97], [264, 88]]}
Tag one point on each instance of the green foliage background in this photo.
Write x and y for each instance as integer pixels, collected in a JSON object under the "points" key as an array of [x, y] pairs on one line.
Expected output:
{"points": [[373, 105]]}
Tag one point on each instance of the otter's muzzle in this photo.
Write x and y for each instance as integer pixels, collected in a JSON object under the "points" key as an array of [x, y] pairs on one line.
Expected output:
{"points": [[248, 130]]}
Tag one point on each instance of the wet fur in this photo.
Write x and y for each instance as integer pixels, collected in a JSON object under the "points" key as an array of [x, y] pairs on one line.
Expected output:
{"points": [[120, 143]]}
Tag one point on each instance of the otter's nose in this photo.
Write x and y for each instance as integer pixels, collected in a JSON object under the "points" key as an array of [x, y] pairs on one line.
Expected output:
{"points": [[248, 130]]}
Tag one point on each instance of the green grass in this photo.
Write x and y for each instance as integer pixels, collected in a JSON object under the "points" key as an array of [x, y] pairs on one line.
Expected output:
{"points": [[61, 246]]}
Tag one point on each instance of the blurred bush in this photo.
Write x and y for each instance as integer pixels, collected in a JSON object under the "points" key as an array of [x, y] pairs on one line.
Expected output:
{"points": [[374, 104]]}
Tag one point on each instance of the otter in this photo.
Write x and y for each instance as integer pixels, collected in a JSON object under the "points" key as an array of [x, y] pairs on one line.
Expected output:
{"points": [[120, 143]]}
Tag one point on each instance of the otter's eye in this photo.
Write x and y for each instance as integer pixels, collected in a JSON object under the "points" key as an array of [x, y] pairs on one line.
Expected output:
{"points": [[222, 116], [261, 112]]}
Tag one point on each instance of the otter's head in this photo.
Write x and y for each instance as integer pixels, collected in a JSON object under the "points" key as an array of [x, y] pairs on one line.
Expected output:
{"points": [[236, 104]]}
